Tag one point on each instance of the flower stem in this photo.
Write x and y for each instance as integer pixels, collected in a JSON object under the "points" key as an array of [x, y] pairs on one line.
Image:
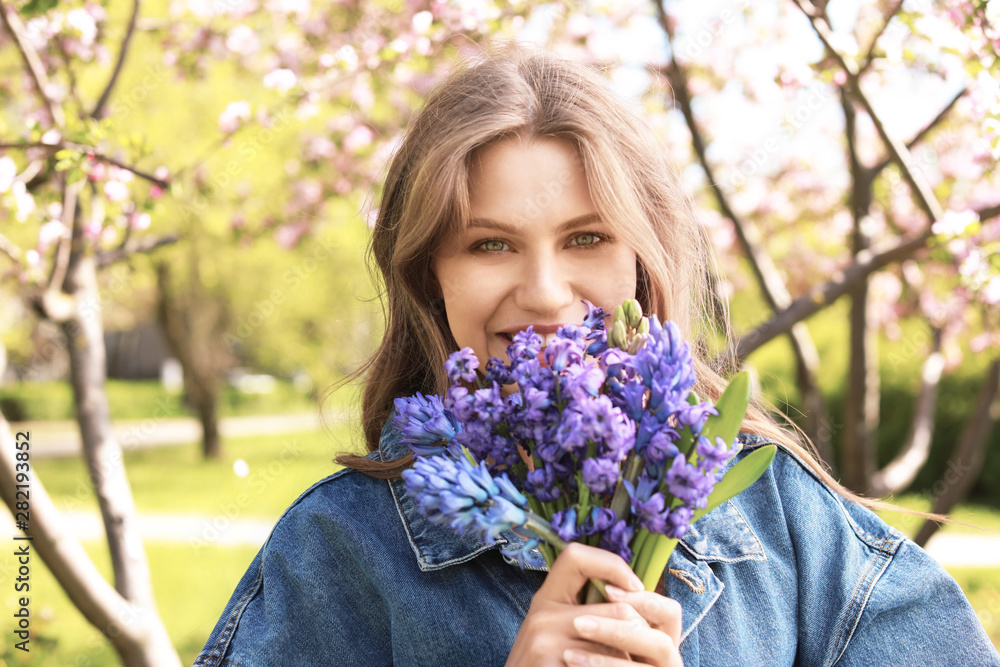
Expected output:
{"points": [[662, 547], [620, 501]]}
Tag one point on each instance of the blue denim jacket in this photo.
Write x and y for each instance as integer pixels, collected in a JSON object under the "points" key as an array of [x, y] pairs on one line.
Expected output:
{"points": [[787, 573]]}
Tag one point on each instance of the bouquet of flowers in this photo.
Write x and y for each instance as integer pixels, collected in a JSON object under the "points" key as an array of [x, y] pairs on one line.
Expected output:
{"points": [[602, 441]]}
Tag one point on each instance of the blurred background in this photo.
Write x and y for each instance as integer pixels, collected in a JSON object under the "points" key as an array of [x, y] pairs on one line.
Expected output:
{"points": [[186, 189]]}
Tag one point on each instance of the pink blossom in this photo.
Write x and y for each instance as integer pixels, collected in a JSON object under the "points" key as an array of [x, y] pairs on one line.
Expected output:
{"points": [[8, 172], [116, 191], [233, 116], [49, 233], [242, 40], [288, 236], [954, 223], [358, 138], [92, 229], [282, 80], [98, 171], [139, 221]]}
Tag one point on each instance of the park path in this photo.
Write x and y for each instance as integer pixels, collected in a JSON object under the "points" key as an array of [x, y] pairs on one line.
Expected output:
{"points": [[51, 439]]}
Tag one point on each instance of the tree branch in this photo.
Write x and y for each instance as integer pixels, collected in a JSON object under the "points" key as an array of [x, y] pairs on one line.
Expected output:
{"points": [[98, 111], [142, 246], [825, 294], [902, 470], [11, 249], [926, 129], [36, 69], [97, 156], [61, 263], [921, 190], [886, 20], [967, 459], [66, 558]]}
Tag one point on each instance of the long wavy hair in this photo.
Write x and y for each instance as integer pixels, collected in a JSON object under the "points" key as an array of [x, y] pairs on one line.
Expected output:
{"points": [[516, 90]]}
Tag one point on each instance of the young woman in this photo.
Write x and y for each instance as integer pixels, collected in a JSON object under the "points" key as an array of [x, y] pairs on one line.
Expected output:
{"points": [[523, 187]]}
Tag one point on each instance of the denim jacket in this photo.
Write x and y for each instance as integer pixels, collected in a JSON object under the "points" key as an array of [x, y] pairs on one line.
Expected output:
{"points": [[787, 573]]}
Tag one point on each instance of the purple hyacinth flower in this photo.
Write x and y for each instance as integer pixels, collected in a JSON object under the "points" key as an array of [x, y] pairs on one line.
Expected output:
{"points": [[678, 522], [526, 345], [695, 416], [599, 520], [583, 380], [542, 484], [564, 523], [689, 483], [600, 475], [616, 540], [595, 316], [462, 365], [662, 446], [464, 496], [425, 425], [562, 352], [711, 456], [497, 371]]}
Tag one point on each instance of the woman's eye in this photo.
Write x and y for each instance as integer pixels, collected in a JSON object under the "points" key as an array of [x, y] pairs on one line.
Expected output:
{"points": [[492, 245], [585, 239]]}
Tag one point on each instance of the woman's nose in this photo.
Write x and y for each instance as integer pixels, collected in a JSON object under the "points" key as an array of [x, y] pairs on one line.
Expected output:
{"points": [[545, 287]]}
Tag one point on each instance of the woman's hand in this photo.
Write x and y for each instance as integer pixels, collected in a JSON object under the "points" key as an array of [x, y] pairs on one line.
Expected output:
{"points": [[634, 626]]}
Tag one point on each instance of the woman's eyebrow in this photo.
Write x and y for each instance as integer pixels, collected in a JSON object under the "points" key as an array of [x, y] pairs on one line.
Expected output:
{"points": [[506, 228]]}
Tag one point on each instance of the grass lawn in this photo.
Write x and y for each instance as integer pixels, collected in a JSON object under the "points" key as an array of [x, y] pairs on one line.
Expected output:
{"points": [[177, 480], [190, 595]]}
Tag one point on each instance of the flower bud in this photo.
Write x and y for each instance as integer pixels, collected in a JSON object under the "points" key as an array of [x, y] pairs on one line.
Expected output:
{"points": [[618, 336], [643, 326], [619, 316], [638, 342], [633, 313]]}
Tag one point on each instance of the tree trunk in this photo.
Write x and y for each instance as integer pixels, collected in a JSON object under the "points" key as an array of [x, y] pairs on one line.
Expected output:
{"points": [[902, 470], [136, 632], [190, 322], [102, 452], [967, 459], [858, 460]]}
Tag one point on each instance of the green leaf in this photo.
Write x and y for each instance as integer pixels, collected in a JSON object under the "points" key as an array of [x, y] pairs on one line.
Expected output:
{"points": [[739, 478], [732, 408], [36, 7]]}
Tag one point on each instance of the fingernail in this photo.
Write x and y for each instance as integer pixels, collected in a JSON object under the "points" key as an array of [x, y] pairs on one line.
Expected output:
{"points": [[571, 657], [585, 625], [614, 593], [636, 584]]}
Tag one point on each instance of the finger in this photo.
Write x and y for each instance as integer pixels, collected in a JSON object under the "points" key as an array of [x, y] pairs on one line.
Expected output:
{"points": [[633, 636], [578, 563], [660, 612], [578, 658]]}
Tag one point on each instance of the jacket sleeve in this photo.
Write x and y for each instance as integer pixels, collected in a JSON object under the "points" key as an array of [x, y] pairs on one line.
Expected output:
{"points": [[306, 598], [918, 609]]}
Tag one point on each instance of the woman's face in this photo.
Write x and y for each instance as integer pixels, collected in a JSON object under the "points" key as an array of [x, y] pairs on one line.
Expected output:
{"points": [[534, 248]]}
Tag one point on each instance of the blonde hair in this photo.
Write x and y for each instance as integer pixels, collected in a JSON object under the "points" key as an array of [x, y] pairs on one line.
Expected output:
{"points": [[511, 91]]}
